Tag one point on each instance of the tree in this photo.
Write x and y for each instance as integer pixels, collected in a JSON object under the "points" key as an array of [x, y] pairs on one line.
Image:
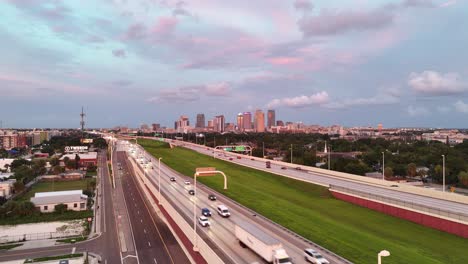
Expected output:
{"points": [[91, 168], [24, 172], [77, 161], [411, 171], [57, 170], [54, 161], [388, 172], [71, 164], [60, 208], [463, 178], [18, 163], [100, 143], [18, 186]]}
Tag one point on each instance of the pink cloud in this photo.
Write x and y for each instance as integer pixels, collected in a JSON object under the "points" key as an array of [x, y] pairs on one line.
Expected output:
{"points": [[284, 60], [165, 25]]}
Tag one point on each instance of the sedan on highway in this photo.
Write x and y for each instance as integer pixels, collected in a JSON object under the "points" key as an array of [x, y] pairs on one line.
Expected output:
{"points": [[284, 168], [172, 179], [313, 256], [187, 182], [191, 192], [204, 221], [206, 212], [212, 197]]}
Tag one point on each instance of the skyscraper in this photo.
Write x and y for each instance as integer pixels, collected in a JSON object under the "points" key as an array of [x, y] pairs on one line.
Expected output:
{"points": [[240, 122], [271, 117], [259, 121], [247, 120], [219, 123], [200, 121]]}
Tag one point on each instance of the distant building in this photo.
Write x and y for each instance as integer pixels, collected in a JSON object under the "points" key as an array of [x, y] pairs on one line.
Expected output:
{"points": [[182, 125], [210, 124], [279, 123], [86, 159], [73, 200], [219, 123], [144, 127], [200, 121], [6, 188], [240, 122], [259, 122], [247, 120], [156, 127], [271, 117]]}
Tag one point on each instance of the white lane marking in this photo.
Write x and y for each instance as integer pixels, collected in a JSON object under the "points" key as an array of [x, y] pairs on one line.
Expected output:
{"points": [[155, 261], [141, 220], [144, 230], [73, 250], [149, 244]]}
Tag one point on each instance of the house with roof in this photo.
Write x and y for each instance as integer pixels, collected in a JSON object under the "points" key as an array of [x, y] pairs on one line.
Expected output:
{"points": [[73, 200]]}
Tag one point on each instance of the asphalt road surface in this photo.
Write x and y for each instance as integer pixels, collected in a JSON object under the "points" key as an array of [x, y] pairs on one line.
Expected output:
{"points": [[153, 239]]}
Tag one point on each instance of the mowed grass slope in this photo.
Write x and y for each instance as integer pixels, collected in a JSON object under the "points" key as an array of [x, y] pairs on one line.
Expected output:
{"points": [[353, 232]]}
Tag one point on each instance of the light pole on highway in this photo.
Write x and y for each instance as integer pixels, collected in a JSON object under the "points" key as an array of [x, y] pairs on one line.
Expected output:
{"points": [[291, 153], [263, 143], [159, 184], [383, 166], [329, 157], [383, 253], [443, 173], [199, 173]]}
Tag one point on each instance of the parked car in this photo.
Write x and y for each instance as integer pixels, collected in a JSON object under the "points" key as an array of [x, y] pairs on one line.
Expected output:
{"points": [[223, 210], [206, 212], [204, 221], [313, 256], [172, 179], [284, 168], [393, 185], [252, 159], [212, 197], [187, 182], [238, 157], [191, 192], [230, 158], [298, 168]]}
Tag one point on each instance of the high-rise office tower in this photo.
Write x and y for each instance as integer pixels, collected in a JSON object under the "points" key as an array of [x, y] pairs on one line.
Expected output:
{"points": [[259, 121], [219, 123], [200, 121], [247, 120], [271, 117], [240, 122]]}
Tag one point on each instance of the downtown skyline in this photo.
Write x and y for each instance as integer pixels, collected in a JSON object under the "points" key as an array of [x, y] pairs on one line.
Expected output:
{"points": [[400, 63]]}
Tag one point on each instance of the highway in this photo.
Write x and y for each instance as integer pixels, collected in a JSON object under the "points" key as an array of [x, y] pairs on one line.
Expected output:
{"points": [[221, 231], [153, 240], [323, 179]]}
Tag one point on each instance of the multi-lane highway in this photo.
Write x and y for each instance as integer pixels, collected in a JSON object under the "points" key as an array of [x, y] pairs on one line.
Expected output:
{"points": [[153, 240], [221, 231], [324, 179]]}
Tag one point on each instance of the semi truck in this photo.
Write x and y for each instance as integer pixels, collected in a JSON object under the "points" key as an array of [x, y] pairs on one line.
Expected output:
{"points": [[268, 164], [266, 246]]}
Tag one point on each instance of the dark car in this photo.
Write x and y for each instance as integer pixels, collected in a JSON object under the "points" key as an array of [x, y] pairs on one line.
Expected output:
{"points": [[206, 212], [230, 158], [212, 197], [252, 159], [239, 157], [284, 168], [191, 192], [298, 168], [172, 179]]}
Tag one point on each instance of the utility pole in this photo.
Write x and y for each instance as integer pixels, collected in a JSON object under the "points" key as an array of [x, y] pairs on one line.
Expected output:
{"points": [[263, 143], [82, 122], [291, 153]]}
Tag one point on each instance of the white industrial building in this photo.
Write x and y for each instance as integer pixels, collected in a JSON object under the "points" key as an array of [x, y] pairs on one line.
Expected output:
{"points": [[46, 201]]}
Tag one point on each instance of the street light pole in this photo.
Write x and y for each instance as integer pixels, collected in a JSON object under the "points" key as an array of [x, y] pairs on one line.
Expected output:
{"points": [[383, 166], [200, 173], [291, 153], [263, 149], [329, 157], [383, 253], [159, 184], [443, 173]]}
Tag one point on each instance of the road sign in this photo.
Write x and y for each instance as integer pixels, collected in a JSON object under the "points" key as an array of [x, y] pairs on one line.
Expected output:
{"points": [[204, 171]]}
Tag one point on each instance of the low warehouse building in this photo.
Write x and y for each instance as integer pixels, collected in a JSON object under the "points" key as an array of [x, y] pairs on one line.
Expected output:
{"points": [[73, 200]]}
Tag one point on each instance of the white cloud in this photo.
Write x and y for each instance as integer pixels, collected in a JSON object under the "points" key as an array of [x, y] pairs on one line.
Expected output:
{"points": [[461, 107], [417, 110], [388, 96], [217, 89], [434, 83], [319, 98]]}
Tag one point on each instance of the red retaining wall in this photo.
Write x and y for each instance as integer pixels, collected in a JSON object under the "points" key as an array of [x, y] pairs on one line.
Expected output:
{"points": [[423, 219]]}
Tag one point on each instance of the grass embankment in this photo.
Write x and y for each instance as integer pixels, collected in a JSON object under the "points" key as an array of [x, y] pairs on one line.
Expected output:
{"points": [[69, 256], [72, 240], [9, 246], [56, 186], [351, 231], [46, 217]]}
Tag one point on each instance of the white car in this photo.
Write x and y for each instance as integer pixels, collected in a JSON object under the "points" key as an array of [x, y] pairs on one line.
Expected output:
{"points": [[187, 182], [314, 257], [203, 220]]}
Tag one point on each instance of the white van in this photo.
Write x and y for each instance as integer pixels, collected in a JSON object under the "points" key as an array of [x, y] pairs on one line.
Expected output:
{"points": [[223, 210]]}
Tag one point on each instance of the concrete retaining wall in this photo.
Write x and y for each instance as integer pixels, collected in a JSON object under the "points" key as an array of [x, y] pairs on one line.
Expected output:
{"points": [[420, 218]]}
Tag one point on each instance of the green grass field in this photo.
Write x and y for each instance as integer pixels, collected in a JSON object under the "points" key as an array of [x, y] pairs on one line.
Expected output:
{"points": [[353, 232], [56, 186]]}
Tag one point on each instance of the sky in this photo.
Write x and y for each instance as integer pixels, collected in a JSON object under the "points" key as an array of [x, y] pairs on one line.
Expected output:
{"points": [[127, 62]]}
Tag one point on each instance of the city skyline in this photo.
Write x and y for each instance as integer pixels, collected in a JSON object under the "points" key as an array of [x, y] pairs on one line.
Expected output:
{"points": [[321, 62]]}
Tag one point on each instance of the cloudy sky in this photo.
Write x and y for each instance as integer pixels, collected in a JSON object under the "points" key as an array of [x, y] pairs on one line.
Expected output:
{"points": [[361, 62]]}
